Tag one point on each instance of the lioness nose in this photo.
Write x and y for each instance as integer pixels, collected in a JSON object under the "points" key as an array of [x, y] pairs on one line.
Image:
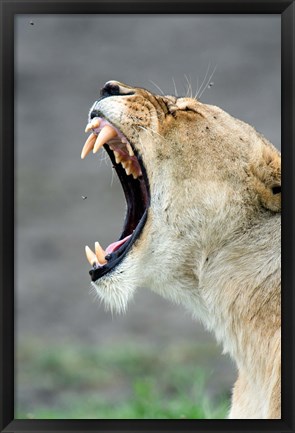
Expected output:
{"points": [[112, 88], [109, 89]]}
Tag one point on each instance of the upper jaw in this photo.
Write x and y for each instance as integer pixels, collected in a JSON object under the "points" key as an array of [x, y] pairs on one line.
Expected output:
{"points": [[127, 162], [104, 132]]}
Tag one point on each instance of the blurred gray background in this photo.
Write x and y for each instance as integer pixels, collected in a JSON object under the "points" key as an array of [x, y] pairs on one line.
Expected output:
{"points": [[61, 63]]}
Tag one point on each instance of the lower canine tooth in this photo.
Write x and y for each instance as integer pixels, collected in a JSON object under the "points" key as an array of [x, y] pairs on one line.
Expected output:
{"points": [[106, 134], [91, 257], [100, 253]]}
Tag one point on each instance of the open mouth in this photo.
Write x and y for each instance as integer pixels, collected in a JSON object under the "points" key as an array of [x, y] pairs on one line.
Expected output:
{"points": [[130, 169]]}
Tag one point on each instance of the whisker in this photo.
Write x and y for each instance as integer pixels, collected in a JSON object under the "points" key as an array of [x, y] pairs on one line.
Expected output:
{"points": [[156, 85], [189, 88], [102, 158], [175, 89], [152, 117], [208, 82], [113, 177], [150, 131], [142, 146], [204, 80], [190, 78]]}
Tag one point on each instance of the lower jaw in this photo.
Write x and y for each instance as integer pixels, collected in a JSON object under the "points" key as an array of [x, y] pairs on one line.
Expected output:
{"points": [[117, 256]]}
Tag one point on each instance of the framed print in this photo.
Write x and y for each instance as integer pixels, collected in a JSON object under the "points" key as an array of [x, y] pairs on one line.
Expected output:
{"points": [[141, 259]]}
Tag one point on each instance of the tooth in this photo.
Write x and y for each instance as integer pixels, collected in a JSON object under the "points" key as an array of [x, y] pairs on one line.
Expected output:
{"points": [[132, 164], [88, 127], [129, 148], [91, 257], [128, 170], [100, 253], [105, 135], [118, 157], [89, 143], [134, 175], [95, 122], [125, 163], [128, 166]]}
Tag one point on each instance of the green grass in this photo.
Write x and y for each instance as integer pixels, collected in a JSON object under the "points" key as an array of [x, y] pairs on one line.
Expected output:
{"points": [[112, 383]]}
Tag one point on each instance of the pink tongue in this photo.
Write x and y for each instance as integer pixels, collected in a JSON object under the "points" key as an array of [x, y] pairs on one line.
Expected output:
{"points": [[115, 245]]}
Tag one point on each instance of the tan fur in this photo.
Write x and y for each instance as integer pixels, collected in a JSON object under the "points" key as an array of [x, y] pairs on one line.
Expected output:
{"points": [[212, 237]]}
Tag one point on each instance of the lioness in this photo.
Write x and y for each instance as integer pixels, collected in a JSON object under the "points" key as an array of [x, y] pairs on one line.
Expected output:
{"points": [[202, 228]]}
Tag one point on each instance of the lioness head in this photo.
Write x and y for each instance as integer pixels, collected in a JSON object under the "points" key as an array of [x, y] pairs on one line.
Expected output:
{"points": [[196, 180]]}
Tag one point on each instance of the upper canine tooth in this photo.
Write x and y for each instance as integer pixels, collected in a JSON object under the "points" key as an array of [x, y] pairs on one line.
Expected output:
{"points": [[91, 257], [100, 253], [105, 135], [89, 143]]}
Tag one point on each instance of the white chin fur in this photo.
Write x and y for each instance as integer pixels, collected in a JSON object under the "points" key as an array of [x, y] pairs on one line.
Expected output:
{"points": [[116, 288], [115, 298]]}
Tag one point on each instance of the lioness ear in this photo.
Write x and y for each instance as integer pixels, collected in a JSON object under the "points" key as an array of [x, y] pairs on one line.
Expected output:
{"points": [[267, 173]]}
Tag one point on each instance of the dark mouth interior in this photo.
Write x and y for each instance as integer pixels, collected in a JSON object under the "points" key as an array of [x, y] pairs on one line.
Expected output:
{"points": [[137, 196]]}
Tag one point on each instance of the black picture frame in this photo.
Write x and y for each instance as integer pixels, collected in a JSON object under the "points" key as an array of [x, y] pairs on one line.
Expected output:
{"points": [[8, 10]]}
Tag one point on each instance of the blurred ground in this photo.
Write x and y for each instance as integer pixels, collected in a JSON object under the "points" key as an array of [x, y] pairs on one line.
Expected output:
{"points": [[61, 62], [121, 381]]}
